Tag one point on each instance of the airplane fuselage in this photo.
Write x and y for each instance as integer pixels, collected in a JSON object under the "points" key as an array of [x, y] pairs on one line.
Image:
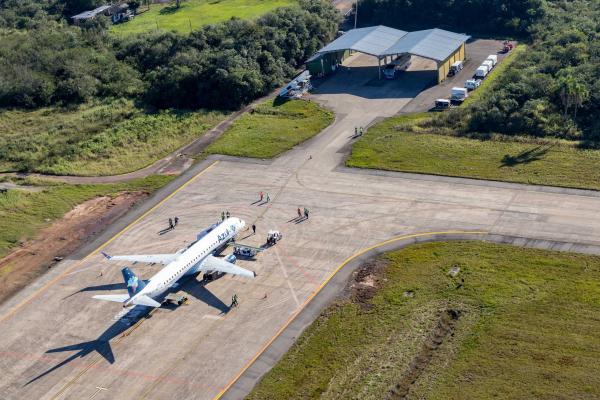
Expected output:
{"points": [[190, 260]]}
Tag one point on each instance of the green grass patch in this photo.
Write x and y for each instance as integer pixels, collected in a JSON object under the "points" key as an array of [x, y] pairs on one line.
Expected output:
{"points": [[488, 83], [553, 163], [527, 329], [24, 212], [196, 13], [272, 128], [428, 143], [107, 138]]}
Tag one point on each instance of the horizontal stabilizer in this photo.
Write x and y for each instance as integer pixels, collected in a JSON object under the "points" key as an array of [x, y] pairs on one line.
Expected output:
{"points": [[119, 298], [212, 263], [145, 301]]}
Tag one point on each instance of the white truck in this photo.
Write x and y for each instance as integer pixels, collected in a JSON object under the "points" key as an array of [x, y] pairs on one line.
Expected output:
{"points": [[493, 58], [455, 68], [489, 64], [459, 94], [481, 72]]}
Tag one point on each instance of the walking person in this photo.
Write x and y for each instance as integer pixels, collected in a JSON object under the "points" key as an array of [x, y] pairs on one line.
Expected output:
{"points": [[355, 131], [361, 130], [305, 212], [253, 229], [176, 220], [227, 214], [268, 198], [299, 213], [222, 216], [234, 301], [170, 223], [261, 196]]}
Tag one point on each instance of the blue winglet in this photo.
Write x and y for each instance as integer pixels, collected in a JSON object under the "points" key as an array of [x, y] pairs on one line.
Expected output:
{"points": [[106, 255]]}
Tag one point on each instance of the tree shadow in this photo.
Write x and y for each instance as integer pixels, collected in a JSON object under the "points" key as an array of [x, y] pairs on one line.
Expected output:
{"points": [[168, 10], [525, 157]]}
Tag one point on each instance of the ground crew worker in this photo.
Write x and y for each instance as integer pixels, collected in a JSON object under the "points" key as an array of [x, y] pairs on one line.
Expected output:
{"points": [[176, 220], [222, 216], [268, 198], [253, 229], [234, 301], [170, 223], [361, 130], [299, 213], [261, 196], [305, 212], [355, 131], [227, 214]]}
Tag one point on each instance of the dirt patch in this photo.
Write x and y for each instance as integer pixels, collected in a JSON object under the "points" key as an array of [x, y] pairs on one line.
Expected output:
{"points": [[445, 326], [365, 283], [60, 239]]}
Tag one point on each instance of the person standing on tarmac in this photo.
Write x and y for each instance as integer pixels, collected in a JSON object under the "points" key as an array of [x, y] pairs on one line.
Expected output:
{"points": [[253, 229], [222, 216]]}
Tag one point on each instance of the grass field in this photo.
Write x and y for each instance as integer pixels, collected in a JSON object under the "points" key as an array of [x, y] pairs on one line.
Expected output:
{"points": [[272, 128], [95, 139], [388, 147], [195, 13], [24, 212], [526, 329]]}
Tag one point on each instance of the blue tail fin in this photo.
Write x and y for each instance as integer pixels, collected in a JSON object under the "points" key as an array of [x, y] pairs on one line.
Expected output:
{"points": [[134, 285]]}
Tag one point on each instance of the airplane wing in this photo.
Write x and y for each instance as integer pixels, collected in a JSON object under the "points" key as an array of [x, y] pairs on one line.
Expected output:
{"points": [[144, 258], [212, 263], [245, 246]]}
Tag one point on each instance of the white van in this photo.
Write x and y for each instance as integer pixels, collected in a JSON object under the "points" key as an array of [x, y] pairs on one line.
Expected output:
{"points": [[481, 72], [493, 58], [489, 64], [459, 94]]}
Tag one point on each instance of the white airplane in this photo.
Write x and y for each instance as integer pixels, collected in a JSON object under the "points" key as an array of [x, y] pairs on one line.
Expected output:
{"points": [[197, 257]]}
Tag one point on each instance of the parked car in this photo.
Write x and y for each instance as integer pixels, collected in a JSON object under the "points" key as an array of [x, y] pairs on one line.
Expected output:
{"points": [[442, 104], [472, 84]]}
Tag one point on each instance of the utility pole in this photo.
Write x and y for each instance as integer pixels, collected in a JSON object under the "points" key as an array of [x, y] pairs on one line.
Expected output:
{"points": [[355, 13]]}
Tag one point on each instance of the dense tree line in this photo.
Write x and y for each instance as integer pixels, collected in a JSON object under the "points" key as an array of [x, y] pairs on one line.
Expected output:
{"points": [[226, 65], [552, 89], [512, 17], [44, 61]]}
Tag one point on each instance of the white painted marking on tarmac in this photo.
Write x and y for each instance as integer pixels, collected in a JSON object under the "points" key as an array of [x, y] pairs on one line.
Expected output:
{"points": [[210, 316], [286, 278]]}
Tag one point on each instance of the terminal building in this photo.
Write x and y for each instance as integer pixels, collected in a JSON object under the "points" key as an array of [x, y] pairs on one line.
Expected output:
{"points": [[438, 45]]}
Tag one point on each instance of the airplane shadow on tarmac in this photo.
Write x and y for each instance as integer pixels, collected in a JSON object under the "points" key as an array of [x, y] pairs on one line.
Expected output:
{"points": [[101, 345]]}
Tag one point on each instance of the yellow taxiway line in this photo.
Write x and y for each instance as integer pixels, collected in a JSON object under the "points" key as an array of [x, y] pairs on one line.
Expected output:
{"points": [[56, 279], [312, 296]]}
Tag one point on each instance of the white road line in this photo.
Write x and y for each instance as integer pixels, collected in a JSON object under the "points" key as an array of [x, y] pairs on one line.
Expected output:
{"points": [[286, 278], [210, 316]]}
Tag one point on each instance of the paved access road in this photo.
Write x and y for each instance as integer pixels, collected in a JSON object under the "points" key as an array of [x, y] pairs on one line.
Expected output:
{"points": [[58, 343]]}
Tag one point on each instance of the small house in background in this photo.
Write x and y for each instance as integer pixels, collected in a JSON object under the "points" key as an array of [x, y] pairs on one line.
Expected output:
{"points": [[92, 14], [118, 12], [122, 13]]}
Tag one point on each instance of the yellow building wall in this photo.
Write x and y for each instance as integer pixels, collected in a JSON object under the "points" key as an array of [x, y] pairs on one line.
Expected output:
{"points": [[444, 67]]}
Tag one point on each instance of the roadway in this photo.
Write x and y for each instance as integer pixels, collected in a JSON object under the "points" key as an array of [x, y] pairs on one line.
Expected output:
{"points": [[197, 350]]}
